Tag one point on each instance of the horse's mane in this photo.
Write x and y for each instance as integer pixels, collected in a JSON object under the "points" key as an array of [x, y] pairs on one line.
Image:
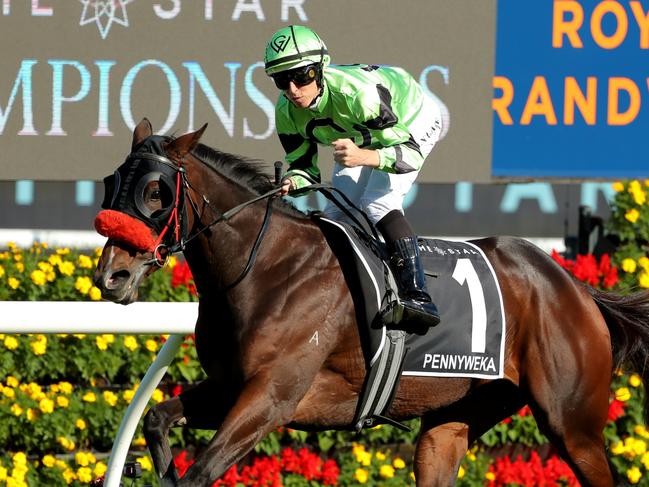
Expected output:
{"points": [[250, 173]]}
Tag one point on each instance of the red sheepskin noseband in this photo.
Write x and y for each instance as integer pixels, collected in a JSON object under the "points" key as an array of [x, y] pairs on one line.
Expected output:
{"points": [[124, 228]]}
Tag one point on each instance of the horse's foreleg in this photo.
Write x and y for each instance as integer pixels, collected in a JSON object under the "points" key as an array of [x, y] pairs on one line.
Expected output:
{"points": [[157, 423], [197, 407], [264, 404], [440, 450]]}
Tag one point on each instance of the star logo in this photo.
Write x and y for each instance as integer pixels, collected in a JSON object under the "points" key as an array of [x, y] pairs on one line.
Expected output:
{"points": [[104, 13]]}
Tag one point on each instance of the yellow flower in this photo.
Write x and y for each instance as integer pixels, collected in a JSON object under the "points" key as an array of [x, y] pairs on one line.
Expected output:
{"points": [[618, 186], [20, 458], [634, 475], [62, 401], [386, 471], [398, 463], [629, 265], [83, 284], [39, 347], [110, 397], [639, 196], [2, 271], [128, 395], [65, 443], [31, 415], [3, 473], [146, 463], [18, 257], [94, 293], [643, 279], [632, 215], [11, 343], [49, 461], [9, 392], [171, 263], [38, 277], [640, 430], [151, 345], [20, 267], [80, 424], [623, 394], [644, 263], [490, 476], [130, 342], [66, 268], [101, 343], [639, 447], [361, 475], [89, 397], [645, 461], [635, 380], [84, 262], [63, 251], [65, 387], [460, 472], [16, 410], [81, 458], [139, 441], [634, 186], [13, 283], [69, 476], [45, 266], [12, 381], [46, 405], [100, 469], [380, 456], [158, 396]]}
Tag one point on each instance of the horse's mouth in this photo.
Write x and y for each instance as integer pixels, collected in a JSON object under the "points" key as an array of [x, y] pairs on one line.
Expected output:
{"points": [[120, 286]]}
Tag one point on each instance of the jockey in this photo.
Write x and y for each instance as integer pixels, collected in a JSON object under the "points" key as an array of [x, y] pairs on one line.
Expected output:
{"points": [[381, 126]]}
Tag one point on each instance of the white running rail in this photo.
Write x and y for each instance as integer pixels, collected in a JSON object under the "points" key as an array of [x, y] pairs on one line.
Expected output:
{"points": [[176, 319]]}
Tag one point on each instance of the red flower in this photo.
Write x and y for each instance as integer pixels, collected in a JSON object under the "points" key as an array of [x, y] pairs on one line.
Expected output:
{"points": [[176, 390], [181, 275], [588, 270], [615, 410], [182, 464], [531, 473]]}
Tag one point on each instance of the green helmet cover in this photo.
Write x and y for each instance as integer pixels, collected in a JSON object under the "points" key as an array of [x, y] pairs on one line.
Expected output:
{"points": [[292, 47]]}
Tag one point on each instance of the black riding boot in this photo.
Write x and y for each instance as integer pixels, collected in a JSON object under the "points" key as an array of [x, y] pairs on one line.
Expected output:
{"points": [[411, 280]]}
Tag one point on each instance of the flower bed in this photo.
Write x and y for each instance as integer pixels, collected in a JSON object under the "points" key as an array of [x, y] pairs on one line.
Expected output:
{"points": [[62, 396]]}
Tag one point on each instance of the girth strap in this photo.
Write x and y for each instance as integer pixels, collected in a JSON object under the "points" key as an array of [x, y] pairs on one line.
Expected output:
{"points": [[381, 382]]}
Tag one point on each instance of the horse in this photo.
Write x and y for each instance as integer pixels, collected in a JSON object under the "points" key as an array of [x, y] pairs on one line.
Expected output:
{"points": [[257, 317]]}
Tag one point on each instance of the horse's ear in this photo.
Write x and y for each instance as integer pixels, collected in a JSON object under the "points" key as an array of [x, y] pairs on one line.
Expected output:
{"points": [[141, 132], [184, 144]]}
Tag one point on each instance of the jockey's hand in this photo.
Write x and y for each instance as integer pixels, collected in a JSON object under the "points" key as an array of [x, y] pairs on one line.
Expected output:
{"points": [[350, 155], [287, 185]]}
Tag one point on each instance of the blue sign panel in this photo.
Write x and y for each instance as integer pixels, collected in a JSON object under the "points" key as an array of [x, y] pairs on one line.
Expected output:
{"points": [[571, 89]]}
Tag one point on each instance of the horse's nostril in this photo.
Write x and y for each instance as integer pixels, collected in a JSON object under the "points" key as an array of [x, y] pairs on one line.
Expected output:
{"points": [[118, 279]]}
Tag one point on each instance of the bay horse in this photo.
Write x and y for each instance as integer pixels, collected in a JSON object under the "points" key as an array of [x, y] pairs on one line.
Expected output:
{"points": [[256, 322]]}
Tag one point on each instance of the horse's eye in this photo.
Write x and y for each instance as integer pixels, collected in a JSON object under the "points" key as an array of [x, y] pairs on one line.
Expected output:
{"points": [[155, 194]]}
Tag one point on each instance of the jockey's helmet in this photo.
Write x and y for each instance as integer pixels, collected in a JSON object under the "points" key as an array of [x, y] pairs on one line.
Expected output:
{"points": [[294, 46]]}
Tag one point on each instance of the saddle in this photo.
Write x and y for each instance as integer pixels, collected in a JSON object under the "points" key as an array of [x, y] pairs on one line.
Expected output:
{"points": [[471, 342]]}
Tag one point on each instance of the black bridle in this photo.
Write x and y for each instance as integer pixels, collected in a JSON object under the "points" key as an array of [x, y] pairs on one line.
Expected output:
{"points": [[174, 235]]}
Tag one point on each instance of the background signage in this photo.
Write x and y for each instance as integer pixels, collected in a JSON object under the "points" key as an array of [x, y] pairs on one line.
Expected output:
{"points": [[571, 89], [79, 74], [545, 89]]}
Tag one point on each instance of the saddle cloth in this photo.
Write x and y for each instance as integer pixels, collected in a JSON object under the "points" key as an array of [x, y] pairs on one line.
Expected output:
{"points": [[468, 342]]}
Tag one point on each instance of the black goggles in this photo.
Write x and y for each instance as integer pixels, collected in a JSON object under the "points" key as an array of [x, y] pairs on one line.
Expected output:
{"points": [[300, 76]]}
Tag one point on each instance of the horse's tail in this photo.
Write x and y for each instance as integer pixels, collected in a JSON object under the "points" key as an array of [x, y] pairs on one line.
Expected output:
{"points": [[627, 317]]}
